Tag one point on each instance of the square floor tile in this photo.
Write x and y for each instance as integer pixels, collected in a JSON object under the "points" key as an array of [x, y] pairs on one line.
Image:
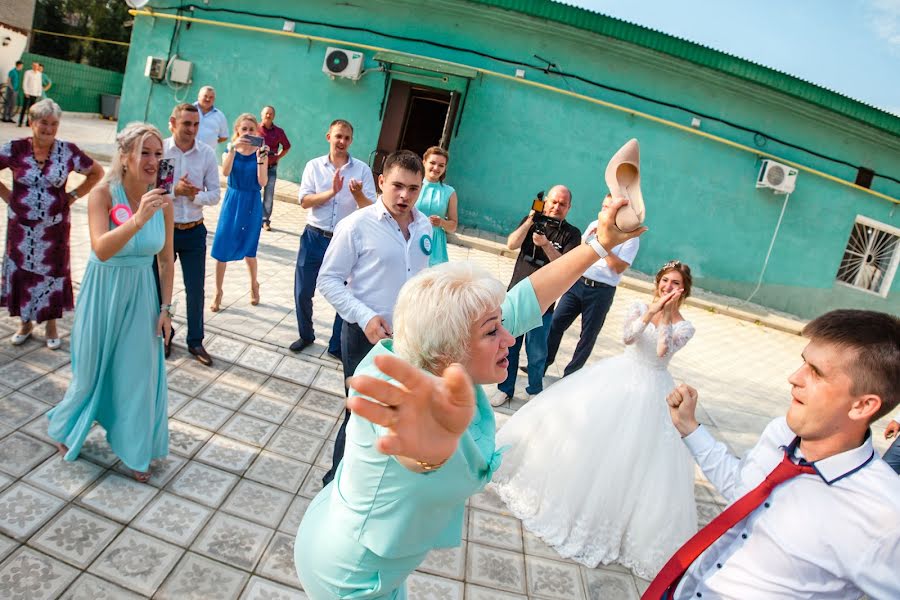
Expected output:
{"points": [[258, 503], [64, 478], [30, 575], [198, 578], [19, 453], [118, 497], [227, 454], [296, 444], [296, 370], [38, 429], [492, 567], [233, 541], [476, 592], [186, 439], [282, 390], [137, 561], [291, 521], [330, 381], [225, 349], [188, 381], [420, 586], [15, 374], [76, 536], [535, 546], [493, 529], [602, 584], [312, 485], [49, 388], [553, 579], [97, 449], [278, 471], [328, 403], [204, 484], [270, 409], [18, 409], [446, 562], [203, 414], [225, 394], [243, 378], [89, 587], [263, 589], [278, 561], [172, 519], [47, 359], [249, 430], [259, 359], [310, 422], [6, 546], [24, 509], [176, 401]]}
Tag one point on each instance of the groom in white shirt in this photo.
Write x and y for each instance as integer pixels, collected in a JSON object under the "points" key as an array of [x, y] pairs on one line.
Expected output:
{"points": [[815, 512]]}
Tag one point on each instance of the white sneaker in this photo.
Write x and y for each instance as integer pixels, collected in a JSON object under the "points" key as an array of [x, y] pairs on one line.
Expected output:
{"points": [[499, 398]]}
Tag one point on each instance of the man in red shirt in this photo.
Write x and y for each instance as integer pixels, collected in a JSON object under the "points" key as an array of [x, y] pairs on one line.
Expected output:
{"points": [[279, 145]]}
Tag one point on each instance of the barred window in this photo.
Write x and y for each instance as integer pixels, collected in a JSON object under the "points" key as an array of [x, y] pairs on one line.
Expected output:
{"points": [[870, 259]]}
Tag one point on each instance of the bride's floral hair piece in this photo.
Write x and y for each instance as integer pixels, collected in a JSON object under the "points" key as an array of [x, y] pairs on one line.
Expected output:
{"points": [[684, 270], [436, 309]]}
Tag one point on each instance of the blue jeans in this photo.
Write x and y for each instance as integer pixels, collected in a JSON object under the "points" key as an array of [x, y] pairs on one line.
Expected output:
{"points": [[354, 347], [592, 303], [269, 194], [536, 351], [309, 260], [189, 246], [892, 456]]}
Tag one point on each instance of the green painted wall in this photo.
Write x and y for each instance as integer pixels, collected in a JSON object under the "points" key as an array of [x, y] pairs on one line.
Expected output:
{"points": [[514, 140], [76, 87]]}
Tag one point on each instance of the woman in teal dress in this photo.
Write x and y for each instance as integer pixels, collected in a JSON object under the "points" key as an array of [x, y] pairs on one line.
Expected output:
{"points": [[241, 217], [413, 460], [118, 369], [438, 201]]}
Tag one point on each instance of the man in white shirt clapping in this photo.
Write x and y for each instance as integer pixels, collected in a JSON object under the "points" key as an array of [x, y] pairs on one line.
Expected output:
{"points": [[376, 250], [814, 512]]}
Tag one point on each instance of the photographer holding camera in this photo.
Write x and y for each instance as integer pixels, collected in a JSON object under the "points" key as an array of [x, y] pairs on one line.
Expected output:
{"points": [[541, 237]]}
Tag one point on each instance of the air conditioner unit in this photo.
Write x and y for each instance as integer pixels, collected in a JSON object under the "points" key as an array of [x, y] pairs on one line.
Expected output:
{"points": [[777, 177], [343, 63]]}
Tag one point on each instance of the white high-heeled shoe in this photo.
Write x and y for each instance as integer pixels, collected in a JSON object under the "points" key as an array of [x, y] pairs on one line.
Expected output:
{"points": [[623, 177], [54, 343]]}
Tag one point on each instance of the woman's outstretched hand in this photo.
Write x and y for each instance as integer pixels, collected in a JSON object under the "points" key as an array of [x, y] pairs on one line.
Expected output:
{"points": [[425, 415]]}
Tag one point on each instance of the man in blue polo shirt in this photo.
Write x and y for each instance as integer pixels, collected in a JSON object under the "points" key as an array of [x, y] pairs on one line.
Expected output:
{"points": [[213, 124]]}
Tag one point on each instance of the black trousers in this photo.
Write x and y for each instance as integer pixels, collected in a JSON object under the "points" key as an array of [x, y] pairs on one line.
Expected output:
{"points": [[354, 347]]}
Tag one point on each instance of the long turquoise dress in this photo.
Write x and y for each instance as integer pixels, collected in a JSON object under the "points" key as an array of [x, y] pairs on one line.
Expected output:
{"points": [[368, 529], [241, 217], [118, 368], [434, 199]]}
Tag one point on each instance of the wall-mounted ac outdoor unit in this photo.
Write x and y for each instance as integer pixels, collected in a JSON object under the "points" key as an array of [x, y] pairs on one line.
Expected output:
{"points": [[343, 63], [777, 177]]}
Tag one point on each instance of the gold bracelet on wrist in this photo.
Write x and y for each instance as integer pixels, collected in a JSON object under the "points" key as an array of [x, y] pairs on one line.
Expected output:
{"points": [[428, 467]]}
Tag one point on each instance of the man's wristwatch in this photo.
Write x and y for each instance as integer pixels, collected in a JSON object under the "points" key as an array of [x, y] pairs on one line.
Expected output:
{"points": [[595, 244], [74, 194]]}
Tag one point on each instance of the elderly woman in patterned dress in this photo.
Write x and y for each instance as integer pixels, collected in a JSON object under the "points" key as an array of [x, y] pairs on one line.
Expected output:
{"points": [[37, 284]]}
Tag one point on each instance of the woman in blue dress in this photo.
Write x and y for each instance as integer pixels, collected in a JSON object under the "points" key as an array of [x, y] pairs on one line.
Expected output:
{"points": [[118, 369], [237, 232], [438, 201], [413, 458]]}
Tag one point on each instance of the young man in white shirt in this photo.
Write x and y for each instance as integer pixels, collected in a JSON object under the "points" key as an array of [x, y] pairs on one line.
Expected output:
{"points": [[376, 250], [196, 186], [32, 89], [213, 124], [332, 187], [815, 512]]}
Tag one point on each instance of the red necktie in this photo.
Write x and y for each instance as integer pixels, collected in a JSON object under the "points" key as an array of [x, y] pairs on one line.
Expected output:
{"points": [[667, 579]]}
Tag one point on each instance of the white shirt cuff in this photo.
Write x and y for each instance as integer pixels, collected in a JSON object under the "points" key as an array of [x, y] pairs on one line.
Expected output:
{"points": [[700, 440]]}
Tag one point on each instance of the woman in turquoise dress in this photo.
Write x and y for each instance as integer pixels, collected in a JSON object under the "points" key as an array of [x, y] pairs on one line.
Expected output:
{"points": [[413, 458], [438, 201], [118, 369], [241, 217]]}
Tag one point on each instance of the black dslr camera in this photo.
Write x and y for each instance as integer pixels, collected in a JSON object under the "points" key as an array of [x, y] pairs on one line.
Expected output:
{"points": [[541, 221]]}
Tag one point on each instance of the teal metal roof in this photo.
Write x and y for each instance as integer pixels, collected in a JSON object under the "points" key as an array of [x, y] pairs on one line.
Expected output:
{"points": [[703, 56]]}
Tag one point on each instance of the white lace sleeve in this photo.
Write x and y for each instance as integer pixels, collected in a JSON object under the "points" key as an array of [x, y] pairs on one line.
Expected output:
{"points": [[673, 338], [634, 324]]}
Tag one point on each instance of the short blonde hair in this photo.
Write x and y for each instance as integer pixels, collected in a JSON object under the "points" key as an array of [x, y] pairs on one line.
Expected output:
{"points": [[436, 310], [129, 141], [237, 123]]}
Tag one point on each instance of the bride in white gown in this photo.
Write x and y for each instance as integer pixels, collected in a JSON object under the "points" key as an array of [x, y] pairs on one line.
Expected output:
{"points": [[596, 468]]}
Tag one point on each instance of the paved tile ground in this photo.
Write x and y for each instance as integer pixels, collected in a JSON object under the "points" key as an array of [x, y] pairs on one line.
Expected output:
{"points": [[252, 436]]}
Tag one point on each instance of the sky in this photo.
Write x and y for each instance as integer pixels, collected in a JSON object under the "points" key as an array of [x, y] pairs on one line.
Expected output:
{"points": [[849, 46]]}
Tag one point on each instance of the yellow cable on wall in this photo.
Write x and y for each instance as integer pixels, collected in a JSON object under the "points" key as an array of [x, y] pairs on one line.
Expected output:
{"points": [[543, 86]]}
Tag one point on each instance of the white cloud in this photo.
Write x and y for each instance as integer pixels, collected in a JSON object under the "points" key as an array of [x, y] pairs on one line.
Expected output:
{"points": [[884, 17]]}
